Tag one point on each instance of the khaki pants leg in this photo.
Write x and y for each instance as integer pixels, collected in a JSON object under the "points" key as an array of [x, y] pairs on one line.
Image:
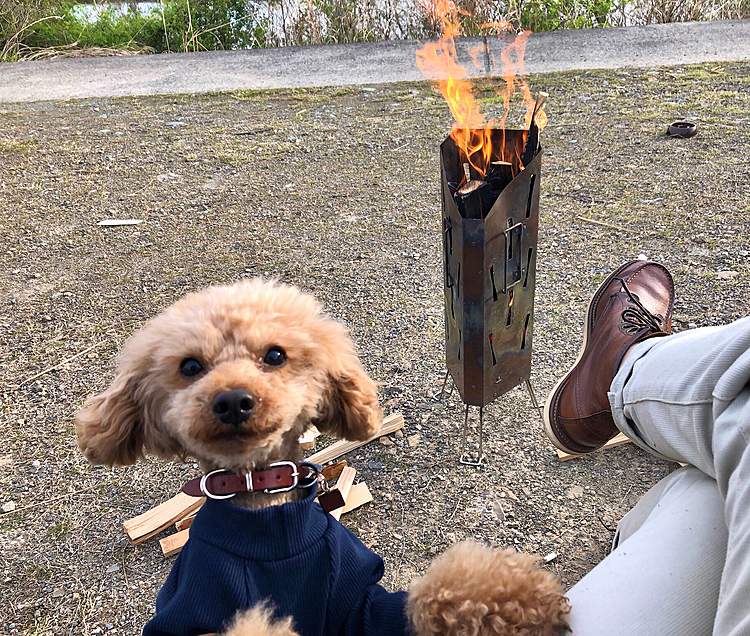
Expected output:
{"points": [[662, 578], [685, 398]]}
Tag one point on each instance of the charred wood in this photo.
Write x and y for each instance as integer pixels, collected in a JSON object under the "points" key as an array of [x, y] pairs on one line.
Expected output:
{"points": [[499, 176], [474, 199], [532, 139]]}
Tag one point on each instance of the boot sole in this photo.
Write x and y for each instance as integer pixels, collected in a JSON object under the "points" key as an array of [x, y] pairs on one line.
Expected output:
{"points": [[546, 413]]}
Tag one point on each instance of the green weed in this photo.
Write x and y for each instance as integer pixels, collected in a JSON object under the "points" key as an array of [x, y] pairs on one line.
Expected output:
{"points": [[60, 529], [12, 145], [38, 572]]}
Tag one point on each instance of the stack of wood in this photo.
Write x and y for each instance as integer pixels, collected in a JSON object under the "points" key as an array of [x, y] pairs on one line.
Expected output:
{"points": [[618, 440], [181, 509], [476, 194]]}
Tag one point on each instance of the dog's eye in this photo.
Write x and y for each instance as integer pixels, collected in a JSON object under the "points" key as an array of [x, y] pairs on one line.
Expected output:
{"points": [[190, 367], [275, 357]]}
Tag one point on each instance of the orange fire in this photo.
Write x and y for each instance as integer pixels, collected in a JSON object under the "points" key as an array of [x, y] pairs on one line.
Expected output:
{"points": [[472, 129]]}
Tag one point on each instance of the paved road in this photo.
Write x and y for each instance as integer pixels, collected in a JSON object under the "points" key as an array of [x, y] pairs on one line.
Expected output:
{"points": [[376, 63]]}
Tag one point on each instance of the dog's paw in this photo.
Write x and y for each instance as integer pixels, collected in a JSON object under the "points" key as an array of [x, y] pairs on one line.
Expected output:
{"points": [[473, 590], [259, 621]]}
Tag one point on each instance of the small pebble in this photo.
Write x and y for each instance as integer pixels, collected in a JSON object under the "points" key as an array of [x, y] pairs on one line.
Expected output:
{"points": [[727, 274]]}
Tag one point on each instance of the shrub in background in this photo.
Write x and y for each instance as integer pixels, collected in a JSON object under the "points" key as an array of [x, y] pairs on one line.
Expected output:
{"points": [[196, 25], [205, 25], [17, 18], [176, 25], [110, 28], [551, 15]]}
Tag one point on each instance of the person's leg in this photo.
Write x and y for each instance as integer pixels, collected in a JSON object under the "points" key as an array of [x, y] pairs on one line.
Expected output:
{"points": [[669, 391], [684, 397], [687, 398], [671, 546], [635, 303], [732, 461]]}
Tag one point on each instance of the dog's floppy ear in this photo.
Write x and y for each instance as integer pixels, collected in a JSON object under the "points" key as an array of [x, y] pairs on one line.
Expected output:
{"points": [[118, 425], [349, 406], [109, 426]]}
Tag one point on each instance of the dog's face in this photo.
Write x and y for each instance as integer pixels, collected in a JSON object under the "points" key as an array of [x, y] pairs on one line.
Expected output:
{"points": [[231, 376]]}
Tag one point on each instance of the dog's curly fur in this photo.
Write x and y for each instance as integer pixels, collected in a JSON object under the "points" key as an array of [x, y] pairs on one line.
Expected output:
{"points": [[151, 408], [473, 590], [259, 621]]}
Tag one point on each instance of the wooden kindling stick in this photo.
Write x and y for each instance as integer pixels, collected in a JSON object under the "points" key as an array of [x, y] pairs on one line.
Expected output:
{"points": [[344, 485], [153, 521], [359, 495], [184, 524], [618, 440], [390, 425], [308, 438]]}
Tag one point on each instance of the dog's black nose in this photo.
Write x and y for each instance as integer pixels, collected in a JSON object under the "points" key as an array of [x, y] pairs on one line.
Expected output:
{"points": [[233, 407]]}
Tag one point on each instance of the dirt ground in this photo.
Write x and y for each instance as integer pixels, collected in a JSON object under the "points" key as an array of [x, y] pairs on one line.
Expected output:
{"points": [[336, 191]]}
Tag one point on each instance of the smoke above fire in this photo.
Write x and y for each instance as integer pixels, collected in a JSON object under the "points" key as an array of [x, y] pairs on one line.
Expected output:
{"points": [[439, 61]]}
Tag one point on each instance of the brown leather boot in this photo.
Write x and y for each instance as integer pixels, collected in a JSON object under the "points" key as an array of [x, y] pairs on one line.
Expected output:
{"points": [[634, 303]]}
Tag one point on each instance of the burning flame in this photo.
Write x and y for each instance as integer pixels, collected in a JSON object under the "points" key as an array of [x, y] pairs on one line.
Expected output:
{"points": [[472, 129]]}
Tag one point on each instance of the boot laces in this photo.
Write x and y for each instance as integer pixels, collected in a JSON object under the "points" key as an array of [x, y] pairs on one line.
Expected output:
{"points": [[636, 318]]}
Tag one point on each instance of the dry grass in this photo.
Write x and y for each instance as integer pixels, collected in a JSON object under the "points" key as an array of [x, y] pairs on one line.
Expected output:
{"points": [[74, 50], [16, 18], [663, 11]]}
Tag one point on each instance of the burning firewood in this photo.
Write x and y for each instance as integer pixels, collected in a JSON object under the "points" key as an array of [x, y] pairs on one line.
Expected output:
{"points": [[475, 196], [532, 141], [490, 178], [474, 199], [499, 176]]}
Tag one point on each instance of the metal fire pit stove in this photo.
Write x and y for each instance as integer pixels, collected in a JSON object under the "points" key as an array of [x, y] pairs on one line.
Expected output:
{"points": [[489, 252]]}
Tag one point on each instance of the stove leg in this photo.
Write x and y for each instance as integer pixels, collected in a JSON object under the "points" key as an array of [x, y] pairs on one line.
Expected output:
{"points": [[439, 396], [536, 404], [469, 460]]}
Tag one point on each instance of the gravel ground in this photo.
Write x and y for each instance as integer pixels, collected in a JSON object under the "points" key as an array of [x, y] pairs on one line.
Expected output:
{"points": [[336, 191]]}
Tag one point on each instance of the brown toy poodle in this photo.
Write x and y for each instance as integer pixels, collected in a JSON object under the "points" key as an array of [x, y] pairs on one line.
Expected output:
{"points": [[232, 376]]}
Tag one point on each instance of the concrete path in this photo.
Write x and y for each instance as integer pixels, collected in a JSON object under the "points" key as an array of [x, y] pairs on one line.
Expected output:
{"points": [[376, 63]]}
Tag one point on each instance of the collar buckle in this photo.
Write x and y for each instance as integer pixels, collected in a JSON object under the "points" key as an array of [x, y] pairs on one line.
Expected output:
{"points": [[295, 478], [204, 485]]}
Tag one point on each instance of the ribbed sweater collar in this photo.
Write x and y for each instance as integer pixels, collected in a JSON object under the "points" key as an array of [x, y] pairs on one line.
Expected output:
{"points": [[269, 534]]}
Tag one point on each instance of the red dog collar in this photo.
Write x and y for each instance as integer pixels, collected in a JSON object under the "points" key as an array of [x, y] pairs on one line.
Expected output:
{"points": [[278, 477]]}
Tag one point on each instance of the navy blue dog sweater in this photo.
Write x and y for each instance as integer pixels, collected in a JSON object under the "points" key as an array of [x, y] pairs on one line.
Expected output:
{"points": [[310, 566]]}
